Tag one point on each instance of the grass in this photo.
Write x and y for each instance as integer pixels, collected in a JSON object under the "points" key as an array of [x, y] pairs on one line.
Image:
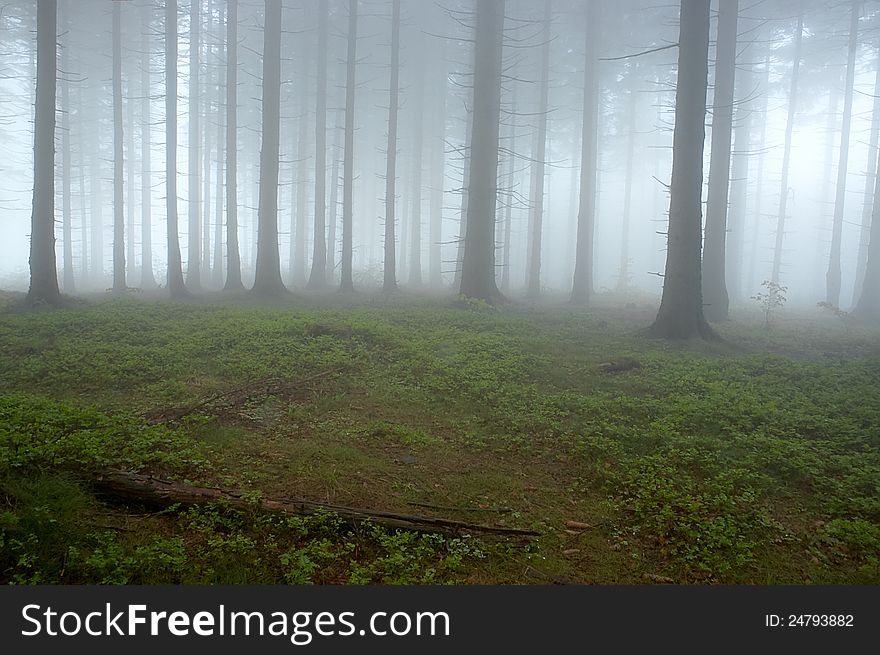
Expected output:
{"points": [[754, 460]]}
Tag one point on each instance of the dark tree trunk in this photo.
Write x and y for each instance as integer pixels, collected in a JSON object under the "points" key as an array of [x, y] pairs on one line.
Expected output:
{"points": [[582, 283], [870, 182], [832, 277], [66, 218], [176, 285], [478, 265], [715, 297], [681, 307], [786, 152], [193, 262], [233, 256], [347, 283], [118, 181], [389, 281], [148, 281], [318, 274], [267, 274], [44, 277], [533, 287]]}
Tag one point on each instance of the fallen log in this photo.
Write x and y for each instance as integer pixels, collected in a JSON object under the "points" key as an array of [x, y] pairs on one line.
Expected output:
{"points": [[155, 492]]}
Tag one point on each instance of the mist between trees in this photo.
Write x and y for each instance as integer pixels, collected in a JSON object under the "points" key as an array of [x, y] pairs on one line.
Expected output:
{"points": [[497, 149]]}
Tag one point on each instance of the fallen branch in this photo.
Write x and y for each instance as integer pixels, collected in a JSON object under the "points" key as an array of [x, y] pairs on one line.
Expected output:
{"points": [[153, 492]]}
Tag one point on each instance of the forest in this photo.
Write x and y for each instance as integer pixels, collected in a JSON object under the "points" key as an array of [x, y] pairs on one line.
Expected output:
{"points": [[454, 292]]}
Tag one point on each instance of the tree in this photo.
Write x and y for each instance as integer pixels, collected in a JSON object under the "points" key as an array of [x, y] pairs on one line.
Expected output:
{"points": [[193, 262], [176, 285], [389, 282], [832, 277], [147, 279], [118, 188], [715, 296], [681, 307], [415, 235], [44, 277], [868, 305], [347, 283], [582, 283], [233, 255], [318, 274], [533, 286], [67, 228], [478, 259], [267, 280], [870, 182]]}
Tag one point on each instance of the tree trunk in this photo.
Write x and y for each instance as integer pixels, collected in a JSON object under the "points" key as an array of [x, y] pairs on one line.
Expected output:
{"points": [[623, 274], [347, 283], [176, 286], [870, 182], [466, 174], [233, 256], [118, 180], [759, 185], [478, 265], [435, 229], [148, 281], [66, 218], [715, 297], [44, 276], [318, 274], [868, 305], [267, 274], [508, 209], [217, 268], [206, 157], [130, 259], [832, 277], [299, 236], [533, 288], [582, 283], [193, 262], [415, 235], [681, 307], [739, 183], [389, 280], [334, 202], [786, 152]]}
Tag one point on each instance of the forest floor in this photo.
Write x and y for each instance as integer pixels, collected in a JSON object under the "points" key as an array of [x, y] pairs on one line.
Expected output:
{"points": [[752, 460]]}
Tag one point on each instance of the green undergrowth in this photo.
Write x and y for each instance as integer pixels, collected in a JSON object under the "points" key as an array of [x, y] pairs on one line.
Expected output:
{"points": [[753, 460]]}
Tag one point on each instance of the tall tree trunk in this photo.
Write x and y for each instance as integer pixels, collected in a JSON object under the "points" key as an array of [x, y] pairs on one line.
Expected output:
{"points": [[508, 209], [299, 236], [389, 278], [739, 183], [347, 283], [217, 268], [233, 256], [623, 274], [868, 305], [267, 274], [318, 274], [435, 229], [870, 182], [415, 235], [681, 307], [44, 276], [754, 253], [786, 151], [148, 281], [582, 283], [193, 264], [69, 284], [118, 180], [176, 285], [478, 265], [206, 157], [130, 259], [463, 211], [533, 288], [832, 277], [715, 297], [96, 201], [334, 202]]}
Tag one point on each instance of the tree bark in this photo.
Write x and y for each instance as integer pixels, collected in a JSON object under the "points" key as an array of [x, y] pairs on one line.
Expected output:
{"points": [[715, 297], [148, 281], [681, 307], [194, 237], [478, 264], [318, 273], [267, 274], [786, 151], [347, 283], [176, 285], [233, 255], [334, 202], [533, 287], [118, 180], [582, 283], [44, 277], [69, 283], [389, 277]]}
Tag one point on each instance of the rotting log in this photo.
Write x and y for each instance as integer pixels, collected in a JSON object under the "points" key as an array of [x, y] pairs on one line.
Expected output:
{"points": [[146, 490]]}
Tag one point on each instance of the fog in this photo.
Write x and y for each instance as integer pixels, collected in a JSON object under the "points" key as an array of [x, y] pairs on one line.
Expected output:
{"points": [[635, 65]]}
